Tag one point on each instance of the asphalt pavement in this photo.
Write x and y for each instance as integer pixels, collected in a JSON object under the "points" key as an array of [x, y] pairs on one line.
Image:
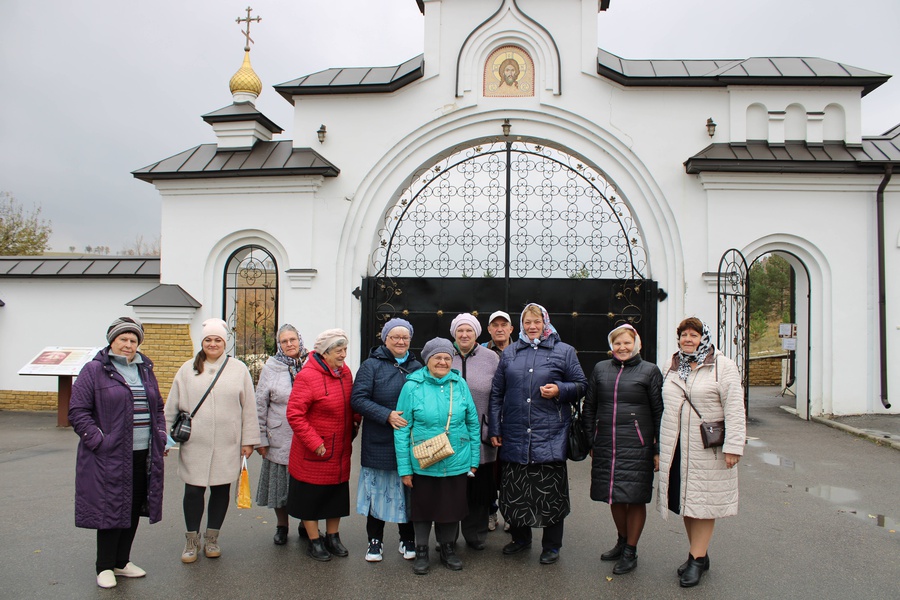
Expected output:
{"points": [[819, 518]]}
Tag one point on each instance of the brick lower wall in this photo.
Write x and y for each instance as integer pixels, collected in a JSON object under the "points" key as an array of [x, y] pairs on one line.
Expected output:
{"points": [[766, 370], [27, 400], [167, 345]]}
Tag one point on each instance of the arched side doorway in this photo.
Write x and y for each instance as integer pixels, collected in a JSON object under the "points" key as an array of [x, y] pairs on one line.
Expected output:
{"points": [[496, 225], [250, 308]]}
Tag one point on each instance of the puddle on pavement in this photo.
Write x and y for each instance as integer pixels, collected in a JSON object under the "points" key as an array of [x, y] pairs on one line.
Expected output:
{"points": [[770, 458], [840, 495]]}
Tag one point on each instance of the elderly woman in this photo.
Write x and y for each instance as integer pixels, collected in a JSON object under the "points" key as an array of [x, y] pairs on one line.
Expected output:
{"points": [[622, 411], [117, 412], [537, 381], [700, 484], [224, 428], [477, 365], [381, 496], [272, 392], [324, 426], [436, 400]]}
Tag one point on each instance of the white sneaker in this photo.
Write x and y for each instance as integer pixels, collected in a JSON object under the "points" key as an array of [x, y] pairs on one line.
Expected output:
{"points": [[408, 550], [106, 579], [130, 570], [492, 522], [375, 551]]}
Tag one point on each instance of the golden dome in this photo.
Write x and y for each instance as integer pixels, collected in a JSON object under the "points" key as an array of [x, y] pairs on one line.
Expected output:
{"points": [[245, 80]]}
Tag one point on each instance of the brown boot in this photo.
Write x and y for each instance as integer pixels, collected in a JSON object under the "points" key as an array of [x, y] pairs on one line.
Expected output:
{"points": [[211, 544], [191, 547]]}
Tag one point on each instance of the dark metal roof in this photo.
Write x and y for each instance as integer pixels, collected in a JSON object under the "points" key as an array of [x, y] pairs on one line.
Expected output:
{"points": [[263, 160], [749, 71], [2, 303], [358, 80], [168, 295], [799, 157], [241, 111], [126, 267]]}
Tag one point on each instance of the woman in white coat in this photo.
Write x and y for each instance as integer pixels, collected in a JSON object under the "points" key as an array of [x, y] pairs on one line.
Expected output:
{"points": [[224, 428], [700, 484]]}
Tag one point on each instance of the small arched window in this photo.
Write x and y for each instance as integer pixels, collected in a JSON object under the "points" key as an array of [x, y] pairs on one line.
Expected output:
{"points": [[251, 302]]}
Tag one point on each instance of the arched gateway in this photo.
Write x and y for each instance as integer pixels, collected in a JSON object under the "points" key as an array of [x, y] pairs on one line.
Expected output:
{"points": [[496, 225]]}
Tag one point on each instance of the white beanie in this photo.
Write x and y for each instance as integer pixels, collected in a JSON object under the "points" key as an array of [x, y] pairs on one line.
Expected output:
{"points": [[215, 327], [465, 319]]}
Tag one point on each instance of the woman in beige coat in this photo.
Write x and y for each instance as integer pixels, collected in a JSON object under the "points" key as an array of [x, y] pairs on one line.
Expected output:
{"points": [[701, 484], [224, 428]]}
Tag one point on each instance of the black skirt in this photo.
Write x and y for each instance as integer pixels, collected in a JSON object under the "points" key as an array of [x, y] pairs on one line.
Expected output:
{"points": [[310, 502], [674, 490], [483, 487], [534, 495], [438, 499]]}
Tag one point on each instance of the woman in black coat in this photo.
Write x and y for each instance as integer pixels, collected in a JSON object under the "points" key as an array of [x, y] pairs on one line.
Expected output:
{"points": [[622, 411]]}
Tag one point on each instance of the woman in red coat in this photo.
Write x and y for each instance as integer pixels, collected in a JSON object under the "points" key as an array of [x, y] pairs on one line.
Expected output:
{"points": [[324, 426]]}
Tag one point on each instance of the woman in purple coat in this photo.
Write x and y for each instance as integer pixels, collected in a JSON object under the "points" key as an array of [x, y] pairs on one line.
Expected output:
{"points": [[117, 412]]}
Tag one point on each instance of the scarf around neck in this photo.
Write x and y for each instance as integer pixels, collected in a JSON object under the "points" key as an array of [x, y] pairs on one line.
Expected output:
{"points": [[685, 359]]}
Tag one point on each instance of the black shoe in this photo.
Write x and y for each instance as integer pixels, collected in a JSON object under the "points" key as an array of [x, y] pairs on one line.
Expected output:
{"points": [[616, 552], [549, 556], [317, 551], [684, 565], [515, 547], [628, 562], [475, 545], [301, 531], [420, 564], [333, 544], [281, 533], [449, 558], [693, 572]]}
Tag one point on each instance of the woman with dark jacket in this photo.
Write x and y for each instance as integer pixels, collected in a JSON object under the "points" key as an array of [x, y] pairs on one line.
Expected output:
{"points": [[117, 412], [537, 381], [622, 411], [381, 495], [324, 426]]}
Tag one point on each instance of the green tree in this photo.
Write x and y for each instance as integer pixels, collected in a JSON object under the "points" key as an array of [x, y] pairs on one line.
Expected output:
{"points": [[22, 233]]}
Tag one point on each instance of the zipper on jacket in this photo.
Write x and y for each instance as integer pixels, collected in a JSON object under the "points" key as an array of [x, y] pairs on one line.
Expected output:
{"points": [[638, 429], [612, 466]]}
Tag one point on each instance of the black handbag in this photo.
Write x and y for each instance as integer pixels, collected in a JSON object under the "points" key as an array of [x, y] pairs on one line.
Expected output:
{"points": [[579, 446], [181, 428], [712, 433]]}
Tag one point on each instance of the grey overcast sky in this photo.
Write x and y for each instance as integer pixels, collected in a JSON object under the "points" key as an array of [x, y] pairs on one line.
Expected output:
{"points": [[94, 89]]}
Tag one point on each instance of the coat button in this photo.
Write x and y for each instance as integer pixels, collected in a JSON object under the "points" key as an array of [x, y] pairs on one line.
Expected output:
{"points": [[531, 370], [529, 400], [528, 430]]}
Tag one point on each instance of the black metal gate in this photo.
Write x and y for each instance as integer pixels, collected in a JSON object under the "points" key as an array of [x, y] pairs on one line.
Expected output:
{"points": [[733, 289], [494, 226]]}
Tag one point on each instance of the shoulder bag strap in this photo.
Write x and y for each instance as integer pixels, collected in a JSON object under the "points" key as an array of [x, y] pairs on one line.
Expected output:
{"points": [[686, 397], [449, 414], [211, 386]]}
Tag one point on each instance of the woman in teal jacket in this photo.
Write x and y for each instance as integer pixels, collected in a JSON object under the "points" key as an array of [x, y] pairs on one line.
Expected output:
{"points": [[438, 492]]}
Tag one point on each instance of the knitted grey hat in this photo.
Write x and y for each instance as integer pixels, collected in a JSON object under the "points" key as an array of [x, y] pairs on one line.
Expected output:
{"points": [[436, 346], [125, 325], [395, 322]]}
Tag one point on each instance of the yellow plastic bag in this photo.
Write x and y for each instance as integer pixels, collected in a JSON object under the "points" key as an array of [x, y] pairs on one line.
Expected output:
{"points": [[243, 495]]}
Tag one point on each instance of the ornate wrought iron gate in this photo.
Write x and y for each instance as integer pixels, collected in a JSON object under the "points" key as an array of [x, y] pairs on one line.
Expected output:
{"points": [[497, 225], [734, 314]]}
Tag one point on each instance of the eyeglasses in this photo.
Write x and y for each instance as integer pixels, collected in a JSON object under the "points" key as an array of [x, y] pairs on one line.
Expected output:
{"points": [[399, 338], [439, 359]]}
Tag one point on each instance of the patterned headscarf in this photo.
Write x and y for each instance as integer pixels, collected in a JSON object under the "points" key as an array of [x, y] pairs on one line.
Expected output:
{"points": [[293, 364], [548, 328], [685, 360]]}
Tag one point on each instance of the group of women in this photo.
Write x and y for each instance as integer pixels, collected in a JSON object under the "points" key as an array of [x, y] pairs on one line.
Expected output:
{"points": [[440, 439]]}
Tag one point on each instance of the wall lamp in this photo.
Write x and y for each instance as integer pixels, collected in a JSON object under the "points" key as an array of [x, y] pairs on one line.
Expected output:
{"points": [[506, 127], [321, 133], [710, 127]]}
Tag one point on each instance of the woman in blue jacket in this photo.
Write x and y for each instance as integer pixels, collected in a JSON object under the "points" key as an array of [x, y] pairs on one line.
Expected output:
{"points": [[537, 381], [381, 496], [434, 400]]}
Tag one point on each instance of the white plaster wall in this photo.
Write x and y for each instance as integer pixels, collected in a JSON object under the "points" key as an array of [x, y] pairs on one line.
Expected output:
{"points": [[57, 312]]}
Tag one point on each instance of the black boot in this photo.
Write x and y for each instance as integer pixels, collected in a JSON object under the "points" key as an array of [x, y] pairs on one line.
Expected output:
{"points": [[420, 564], [449, 558], [684, 565], [628, 562], [281, 533], [694, 570], [616, 552], [333, 544], [317, 551]]}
